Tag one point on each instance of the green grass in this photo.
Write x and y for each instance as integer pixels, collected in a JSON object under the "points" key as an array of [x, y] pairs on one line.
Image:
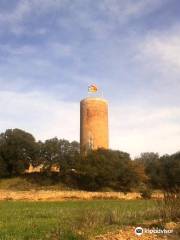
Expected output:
{"points": [[64, 220]]}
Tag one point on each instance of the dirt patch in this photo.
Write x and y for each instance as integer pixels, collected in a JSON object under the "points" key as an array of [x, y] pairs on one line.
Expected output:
{"points": [[129, 234]]}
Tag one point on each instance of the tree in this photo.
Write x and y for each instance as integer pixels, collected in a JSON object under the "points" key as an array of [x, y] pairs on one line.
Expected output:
{"points": [[106, 168], [170, 172], [151, 164], [17, 150], [48, 153], [58, 151], [3, 168], [163, 172]]}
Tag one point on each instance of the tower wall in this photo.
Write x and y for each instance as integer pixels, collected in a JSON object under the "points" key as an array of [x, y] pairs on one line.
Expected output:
{"points": [[93, 124]]}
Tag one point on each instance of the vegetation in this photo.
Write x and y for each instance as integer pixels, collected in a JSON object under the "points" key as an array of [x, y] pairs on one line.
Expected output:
{"points": [[146, 192], [169, 208], [71, 219], [17, 150], [162, 172], [98, 170], [107, 169]]}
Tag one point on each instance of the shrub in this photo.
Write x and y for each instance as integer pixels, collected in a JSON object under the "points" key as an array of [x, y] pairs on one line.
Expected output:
{"points": [[106, 168], [146, 193], [169, 207]]}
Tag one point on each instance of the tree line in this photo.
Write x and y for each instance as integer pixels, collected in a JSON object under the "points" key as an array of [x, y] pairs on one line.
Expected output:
{"points": [[97, 170]]}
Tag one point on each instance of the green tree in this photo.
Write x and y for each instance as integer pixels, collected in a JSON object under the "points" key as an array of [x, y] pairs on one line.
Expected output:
{"points": [[106, 168], [3, 168], [58, 151], [48, 153], [170, 172], [163, 172], [151, 164], [17, 149]]}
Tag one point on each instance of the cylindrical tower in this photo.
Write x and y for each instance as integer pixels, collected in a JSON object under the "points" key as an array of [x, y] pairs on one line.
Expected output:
{"points": [[93, 124]]}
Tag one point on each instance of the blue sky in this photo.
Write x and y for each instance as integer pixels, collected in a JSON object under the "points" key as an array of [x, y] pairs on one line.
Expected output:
{"points": [[51, 50]]}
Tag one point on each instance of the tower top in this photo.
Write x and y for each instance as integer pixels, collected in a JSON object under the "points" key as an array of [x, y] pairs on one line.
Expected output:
{"points": [[95, 98]]}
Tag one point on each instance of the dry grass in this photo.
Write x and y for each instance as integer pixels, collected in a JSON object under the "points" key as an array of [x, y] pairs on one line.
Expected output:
{"points": [[169, 207], [41, 195], [21, 189]]}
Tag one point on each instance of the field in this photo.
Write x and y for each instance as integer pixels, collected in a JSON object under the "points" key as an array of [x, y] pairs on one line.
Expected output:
{"points": [[72, 219], [31, 211]]}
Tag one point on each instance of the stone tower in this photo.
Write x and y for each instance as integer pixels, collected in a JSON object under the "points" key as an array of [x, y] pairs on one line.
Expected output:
{"points": [[93, 124]]}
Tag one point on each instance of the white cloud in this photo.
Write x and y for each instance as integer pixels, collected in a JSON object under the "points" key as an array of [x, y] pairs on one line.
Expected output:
{"points": [[21, 50], [26, 9], [125, 10], [39, 114], [158, 55], [60, 49], [136, 129], [164, 48], [52, 48], [21, 10], [79, 13]]}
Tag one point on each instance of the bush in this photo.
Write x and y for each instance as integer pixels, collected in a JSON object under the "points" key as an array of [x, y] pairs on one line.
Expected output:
{"points": [[169, 207], [106, 169], [146, 193]]}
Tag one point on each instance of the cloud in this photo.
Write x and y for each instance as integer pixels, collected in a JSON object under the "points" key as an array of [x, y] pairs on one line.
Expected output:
{"points": [[14, 20], [39, 114], [137, 129], [50, 48], [25, 8], [165, 48], [156, 59], [96, 17], [126, 10], [21, 10], [23, 50], [34, 62]]}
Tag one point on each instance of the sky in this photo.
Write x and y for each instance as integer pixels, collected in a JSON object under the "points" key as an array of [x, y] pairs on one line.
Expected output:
{"points": [[51, 50]]}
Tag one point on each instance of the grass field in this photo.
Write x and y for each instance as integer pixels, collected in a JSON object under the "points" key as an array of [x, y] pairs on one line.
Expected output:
{"points": [[34, 211], [70, 219]]}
